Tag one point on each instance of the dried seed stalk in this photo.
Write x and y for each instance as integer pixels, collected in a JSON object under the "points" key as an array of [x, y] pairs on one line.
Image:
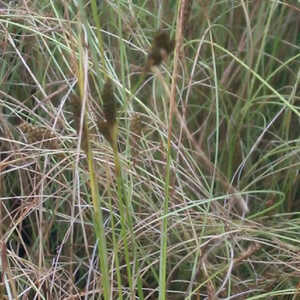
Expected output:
{"points": [[162, 46]]}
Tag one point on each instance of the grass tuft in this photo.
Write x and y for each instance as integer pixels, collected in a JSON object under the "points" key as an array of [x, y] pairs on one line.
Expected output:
{"points": [[149, 150]]}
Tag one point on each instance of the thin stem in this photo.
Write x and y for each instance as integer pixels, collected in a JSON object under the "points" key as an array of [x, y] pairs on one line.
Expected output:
{"points": [[164, 234]]}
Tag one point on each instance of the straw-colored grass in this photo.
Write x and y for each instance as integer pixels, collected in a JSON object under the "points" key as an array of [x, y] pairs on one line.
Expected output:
{"points": [[149, 149]]}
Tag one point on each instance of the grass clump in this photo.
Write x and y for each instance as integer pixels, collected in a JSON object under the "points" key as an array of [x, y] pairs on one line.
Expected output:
{"points": [[149, 150]]}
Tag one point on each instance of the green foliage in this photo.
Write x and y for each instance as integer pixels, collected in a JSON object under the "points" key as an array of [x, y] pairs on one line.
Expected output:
{"points": [[153, 202]]}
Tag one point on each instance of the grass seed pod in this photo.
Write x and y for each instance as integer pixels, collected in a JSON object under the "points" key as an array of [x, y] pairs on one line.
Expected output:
{"points": [[109, 105]]}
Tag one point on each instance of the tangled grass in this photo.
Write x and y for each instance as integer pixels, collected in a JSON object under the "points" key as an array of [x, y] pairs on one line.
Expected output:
{"points": [[150, 149]]}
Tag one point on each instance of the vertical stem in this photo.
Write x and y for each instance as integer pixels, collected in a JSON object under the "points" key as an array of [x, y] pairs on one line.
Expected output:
{"points": [[126, 221], [99, 36], [98, 217], [164, 234], [99, 227]]}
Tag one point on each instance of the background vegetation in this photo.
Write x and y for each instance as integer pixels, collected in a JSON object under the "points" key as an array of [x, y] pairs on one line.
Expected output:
{"points": [[178, 178]]}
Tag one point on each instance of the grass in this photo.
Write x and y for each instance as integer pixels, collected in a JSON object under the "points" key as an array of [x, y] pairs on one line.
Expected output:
{"points": [[150, 150]]}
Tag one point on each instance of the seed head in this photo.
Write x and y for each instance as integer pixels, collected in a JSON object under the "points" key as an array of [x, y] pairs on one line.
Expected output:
{"points": [[162, 46], [109, 105]]}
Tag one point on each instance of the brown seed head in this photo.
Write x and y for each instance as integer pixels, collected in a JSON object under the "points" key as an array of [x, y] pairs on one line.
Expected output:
{"points": [[136, 126], [162, 41], [40, 134], [162, 46], [109, 105], [109, 131]]}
